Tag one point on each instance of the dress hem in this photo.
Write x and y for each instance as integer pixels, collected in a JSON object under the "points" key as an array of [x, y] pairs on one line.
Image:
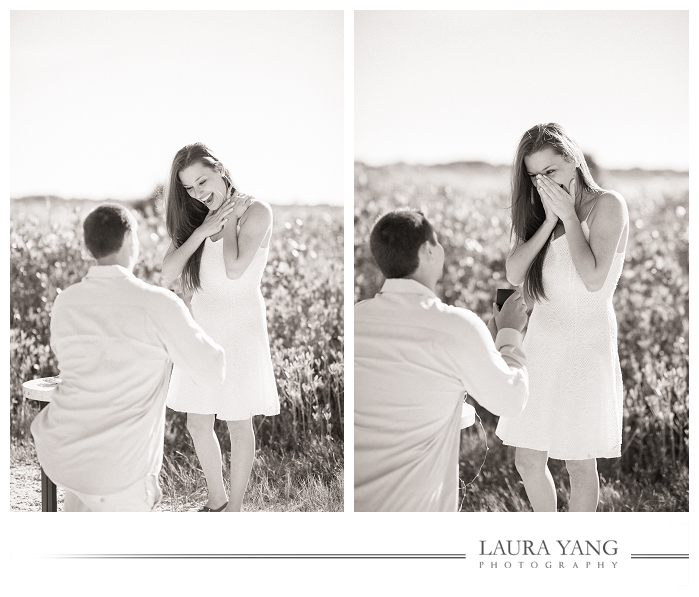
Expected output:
{"points": [[612, 453], [269, 413]]}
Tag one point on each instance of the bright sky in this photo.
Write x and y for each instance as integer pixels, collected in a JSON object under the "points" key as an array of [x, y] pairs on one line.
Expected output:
{"points": [[438, 86], [101, 101]]}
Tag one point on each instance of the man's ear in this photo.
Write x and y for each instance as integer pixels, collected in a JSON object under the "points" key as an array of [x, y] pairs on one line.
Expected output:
{"points": [[422, 253], [427, 249]]}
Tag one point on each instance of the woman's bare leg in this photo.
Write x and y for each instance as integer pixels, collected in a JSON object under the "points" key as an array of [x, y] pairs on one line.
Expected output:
{"points": [[242, 454], [584, 485], [538, 482], [201, 428]]}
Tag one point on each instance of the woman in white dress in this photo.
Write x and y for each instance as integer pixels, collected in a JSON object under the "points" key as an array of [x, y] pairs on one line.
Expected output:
{"points": [[219, 247], [570, 238]]}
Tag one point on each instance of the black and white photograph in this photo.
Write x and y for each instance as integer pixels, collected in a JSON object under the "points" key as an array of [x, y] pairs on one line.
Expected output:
{"points": [[176, 264], [521, 261], [194, 330]]}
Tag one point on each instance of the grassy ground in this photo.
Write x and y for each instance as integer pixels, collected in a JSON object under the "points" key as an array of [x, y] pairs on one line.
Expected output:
{"points": [[498, 488], [304, 482]]}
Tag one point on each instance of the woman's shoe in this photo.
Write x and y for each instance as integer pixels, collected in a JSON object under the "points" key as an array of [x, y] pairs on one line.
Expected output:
{"points": [[207, 509]]}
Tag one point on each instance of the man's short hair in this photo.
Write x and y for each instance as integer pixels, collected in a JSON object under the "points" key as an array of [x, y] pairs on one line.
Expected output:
{"points": [[396, 239], [105, 227]]}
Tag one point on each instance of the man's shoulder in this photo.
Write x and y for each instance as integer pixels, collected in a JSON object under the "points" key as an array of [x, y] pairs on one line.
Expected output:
{"points": [[153, 296], [129, 289], [459, 317], [73, 293], [158, 304], [430, 311], [362, 304]]}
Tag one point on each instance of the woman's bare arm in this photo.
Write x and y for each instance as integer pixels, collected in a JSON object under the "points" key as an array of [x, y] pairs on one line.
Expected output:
{"points": [[593, 260], [518, 261], [240, 249], [176, 258]]}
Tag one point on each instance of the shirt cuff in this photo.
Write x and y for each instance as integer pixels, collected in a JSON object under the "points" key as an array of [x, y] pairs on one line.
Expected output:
{"points": [[508, 337]]}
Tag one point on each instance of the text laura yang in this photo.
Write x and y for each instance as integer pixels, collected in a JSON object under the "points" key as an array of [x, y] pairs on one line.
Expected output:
{"points": [[561, 547]]}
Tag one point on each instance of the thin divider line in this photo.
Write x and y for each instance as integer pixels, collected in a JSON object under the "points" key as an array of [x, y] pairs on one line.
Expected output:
{"points": [[660, 556], [263, 556]]}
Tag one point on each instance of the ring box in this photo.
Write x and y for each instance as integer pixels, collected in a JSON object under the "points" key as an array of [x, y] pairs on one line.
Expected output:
{"points": [[502, 295], [41, 389]]}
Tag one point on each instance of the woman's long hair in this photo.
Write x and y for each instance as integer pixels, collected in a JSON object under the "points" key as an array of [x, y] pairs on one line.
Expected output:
{"points": [[527, 210], [185, 214]]}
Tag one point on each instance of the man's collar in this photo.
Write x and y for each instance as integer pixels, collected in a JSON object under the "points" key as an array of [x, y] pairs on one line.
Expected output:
{"points": [[108, 271], [406, 286]]}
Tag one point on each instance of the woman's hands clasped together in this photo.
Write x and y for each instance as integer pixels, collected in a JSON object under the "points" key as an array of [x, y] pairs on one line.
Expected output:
{"points": [[234, 205], [558, 203], [216, 219]]}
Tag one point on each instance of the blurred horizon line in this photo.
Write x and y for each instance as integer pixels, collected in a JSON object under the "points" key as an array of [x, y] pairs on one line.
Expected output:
{"points": [[52, 197], [493, 165]]}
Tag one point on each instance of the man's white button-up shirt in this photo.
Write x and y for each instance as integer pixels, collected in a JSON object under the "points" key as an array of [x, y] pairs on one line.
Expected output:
{"points": [[115, 338], [415, 357]]}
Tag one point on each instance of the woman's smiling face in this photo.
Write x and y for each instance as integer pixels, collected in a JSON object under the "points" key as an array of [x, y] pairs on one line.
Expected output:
{"points": [[204, 184], [555, 166]]}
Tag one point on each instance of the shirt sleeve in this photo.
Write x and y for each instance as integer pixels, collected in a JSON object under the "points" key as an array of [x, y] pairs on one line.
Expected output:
{"points": [[494, 374], [189, 347]]}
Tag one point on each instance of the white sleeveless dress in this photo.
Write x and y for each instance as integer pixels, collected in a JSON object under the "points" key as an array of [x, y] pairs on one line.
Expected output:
{"points": [[233, 313], [575, 405]]}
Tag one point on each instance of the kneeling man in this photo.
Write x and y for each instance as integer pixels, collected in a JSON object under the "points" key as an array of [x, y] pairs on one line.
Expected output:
{"points": [[115, 338], [415, 357]]}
